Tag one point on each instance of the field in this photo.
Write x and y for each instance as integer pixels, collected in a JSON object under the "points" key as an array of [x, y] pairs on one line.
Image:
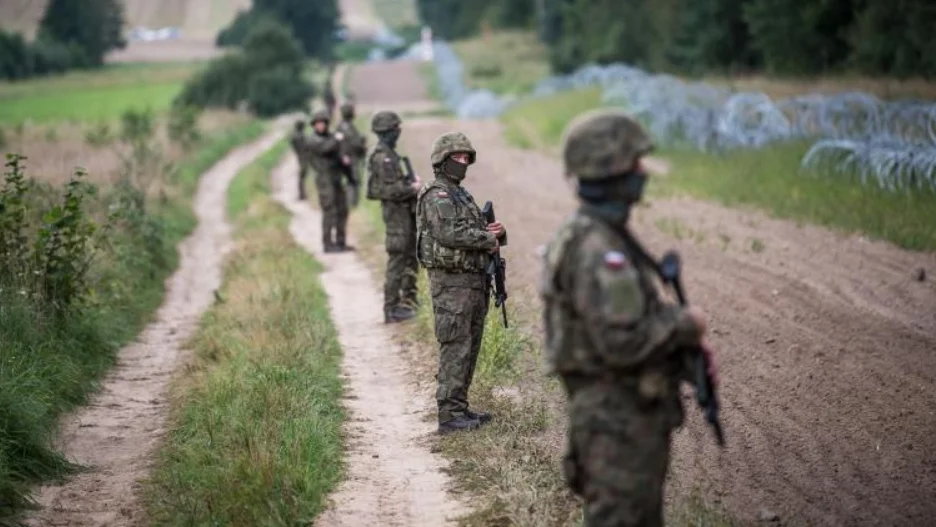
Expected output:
{"points": [[93, 96], [199, 19]]}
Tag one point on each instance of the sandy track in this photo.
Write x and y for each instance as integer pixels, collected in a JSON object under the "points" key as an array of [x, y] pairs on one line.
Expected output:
{"points": [[393, 479], [117, 433], [827, 343]]}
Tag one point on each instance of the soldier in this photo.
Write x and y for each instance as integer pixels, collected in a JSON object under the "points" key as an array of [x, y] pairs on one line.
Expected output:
{"points": [[455, 243], [298, 143], [353, 145], [396, 189], [330, 167], [618, 348]]}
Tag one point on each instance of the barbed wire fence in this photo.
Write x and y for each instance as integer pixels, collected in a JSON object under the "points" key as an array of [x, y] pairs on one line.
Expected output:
{"points": [[891, 144]]}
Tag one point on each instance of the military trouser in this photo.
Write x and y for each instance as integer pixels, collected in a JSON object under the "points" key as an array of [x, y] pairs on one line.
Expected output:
{"points": [[334, 207], [618, 451], [303, 171], [460, 305], [402, 265]]}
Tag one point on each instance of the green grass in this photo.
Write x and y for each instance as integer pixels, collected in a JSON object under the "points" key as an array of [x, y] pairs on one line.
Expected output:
{"points": [[539, 123], [96, 95], [504, 62], [49, 366], [769, 179], [97, 104], [256, 427]]}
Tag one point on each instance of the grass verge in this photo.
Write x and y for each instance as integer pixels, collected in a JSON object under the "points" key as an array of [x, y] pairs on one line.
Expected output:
{"points": [[256, 433], [769, 179], [49, 364], [505, 62]]}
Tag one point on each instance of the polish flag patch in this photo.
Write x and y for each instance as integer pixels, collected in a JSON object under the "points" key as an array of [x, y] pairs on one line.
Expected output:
{"points": [[443, 194], [615, 260]]}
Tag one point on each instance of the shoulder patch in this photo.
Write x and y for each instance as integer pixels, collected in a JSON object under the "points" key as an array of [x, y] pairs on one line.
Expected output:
{"points": [[442, 194], [615, 260], [388, 159]]}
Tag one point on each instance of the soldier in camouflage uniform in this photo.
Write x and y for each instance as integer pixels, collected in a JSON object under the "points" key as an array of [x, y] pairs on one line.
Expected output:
{"points": [[299, 146], [353, 145], [455, 243], [389, 182], [618, 348], [331, 168]]}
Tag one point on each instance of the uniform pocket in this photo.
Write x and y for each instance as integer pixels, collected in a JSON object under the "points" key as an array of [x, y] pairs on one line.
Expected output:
{"points": [[449, 327]]}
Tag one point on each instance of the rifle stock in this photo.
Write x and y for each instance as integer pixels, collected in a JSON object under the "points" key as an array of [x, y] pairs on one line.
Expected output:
{"points": [[670, 271], [496, 269]]}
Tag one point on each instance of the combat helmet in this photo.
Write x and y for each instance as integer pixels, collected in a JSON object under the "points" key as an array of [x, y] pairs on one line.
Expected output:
{"points": [[450, 143], [385, 121], [603, 143], [321, 115], [347, 110]]}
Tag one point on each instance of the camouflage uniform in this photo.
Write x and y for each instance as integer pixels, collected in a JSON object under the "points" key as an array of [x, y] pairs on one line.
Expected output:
{"points": [[454, 246], [353, 145], [389, 182], [325, 151], [610, 338], [298, 141]]}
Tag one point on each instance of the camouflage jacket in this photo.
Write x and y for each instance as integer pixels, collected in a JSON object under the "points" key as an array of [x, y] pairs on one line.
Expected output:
{"points": [[386, 177], [353, 144], [603, 314], [299, 143], [325, 155], [451, 233]]}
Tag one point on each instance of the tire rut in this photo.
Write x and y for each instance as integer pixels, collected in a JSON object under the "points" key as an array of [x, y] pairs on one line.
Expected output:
{"points": [[117, 433], [393, 479]]}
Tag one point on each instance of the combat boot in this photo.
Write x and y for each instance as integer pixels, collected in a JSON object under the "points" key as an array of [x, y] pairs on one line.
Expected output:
{"points": [[399, 314], [462, 422], [482, 417]]}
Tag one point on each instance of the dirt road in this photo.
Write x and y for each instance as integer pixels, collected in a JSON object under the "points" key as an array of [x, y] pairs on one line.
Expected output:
{"points": [[827, 343], [116, 434], [393, 479]]}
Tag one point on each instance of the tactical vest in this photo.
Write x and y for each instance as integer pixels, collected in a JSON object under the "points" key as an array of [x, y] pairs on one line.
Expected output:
{"points": [[557, 313], [375, 185], [433, 255]]}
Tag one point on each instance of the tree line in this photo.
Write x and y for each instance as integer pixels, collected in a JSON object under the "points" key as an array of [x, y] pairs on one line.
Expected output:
{"points": [[71, 35], [781, 37]]}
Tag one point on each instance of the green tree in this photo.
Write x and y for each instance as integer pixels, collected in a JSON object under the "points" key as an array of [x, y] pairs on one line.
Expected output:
{"points": [[313, 22], [713, 35], [92, 26], [800, 36], [895, 38]]}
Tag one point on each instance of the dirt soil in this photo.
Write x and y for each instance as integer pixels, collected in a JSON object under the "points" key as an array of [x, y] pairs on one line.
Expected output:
{"points": [[826, 342], [117, 433], [393, 479]]}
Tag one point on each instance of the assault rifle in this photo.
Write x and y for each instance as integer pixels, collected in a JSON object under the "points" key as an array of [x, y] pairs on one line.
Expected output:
{"points": [[496, 269], [410, 173], [670, 272]]}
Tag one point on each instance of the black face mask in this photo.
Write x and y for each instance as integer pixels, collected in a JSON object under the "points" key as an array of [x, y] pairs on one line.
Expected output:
{"points": [[454, 169], [613, 198], [389, 138]]}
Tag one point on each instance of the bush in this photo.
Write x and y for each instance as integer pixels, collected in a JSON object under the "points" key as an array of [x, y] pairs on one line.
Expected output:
{"points": [[278, 91], [268, 74], [222, 84]]}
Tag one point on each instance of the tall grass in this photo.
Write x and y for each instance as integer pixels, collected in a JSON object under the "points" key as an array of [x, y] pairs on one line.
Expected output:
{"points": [[256, 436], [53, 353]]}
